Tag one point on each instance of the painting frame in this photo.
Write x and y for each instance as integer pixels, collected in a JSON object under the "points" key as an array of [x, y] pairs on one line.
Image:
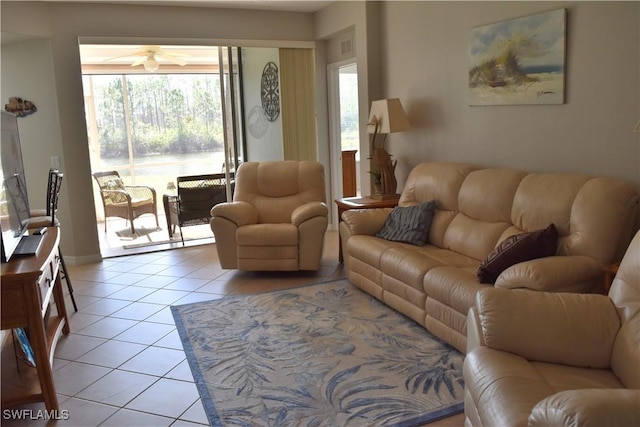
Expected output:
{"points": [[520, 61]]}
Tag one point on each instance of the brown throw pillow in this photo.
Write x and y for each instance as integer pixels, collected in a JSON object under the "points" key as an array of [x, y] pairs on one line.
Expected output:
{"points": [[518, 248]]}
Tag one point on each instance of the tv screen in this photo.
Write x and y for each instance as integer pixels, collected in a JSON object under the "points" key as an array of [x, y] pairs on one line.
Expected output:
{"points": [[14, 202]]}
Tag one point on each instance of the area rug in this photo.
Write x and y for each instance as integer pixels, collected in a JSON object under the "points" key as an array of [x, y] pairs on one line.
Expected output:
{"points": [[319, 355]]}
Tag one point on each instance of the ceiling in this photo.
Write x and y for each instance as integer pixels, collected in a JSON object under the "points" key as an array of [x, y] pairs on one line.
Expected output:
{"points": [[307, 6], [105, 58]]}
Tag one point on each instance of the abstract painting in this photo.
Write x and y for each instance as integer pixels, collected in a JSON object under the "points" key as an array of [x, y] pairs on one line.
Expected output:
{"points": [[519, 61]]}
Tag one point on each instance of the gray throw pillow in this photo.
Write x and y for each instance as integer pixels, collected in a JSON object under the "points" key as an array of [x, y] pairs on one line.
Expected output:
{"points": [[409, 224]]}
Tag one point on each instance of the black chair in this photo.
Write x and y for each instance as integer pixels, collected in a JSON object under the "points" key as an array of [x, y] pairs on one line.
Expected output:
{"points": [[47, 218], [197, 194]]}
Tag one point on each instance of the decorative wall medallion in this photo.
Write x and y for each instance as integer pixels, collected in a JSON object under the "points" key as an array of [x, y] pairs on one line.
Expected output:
{"points": [[270, 91]]}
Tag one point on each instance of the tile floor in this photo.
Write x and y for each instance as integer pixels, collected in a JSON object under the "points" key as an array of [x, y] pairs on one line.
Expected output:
{"points": [[123, 363]]}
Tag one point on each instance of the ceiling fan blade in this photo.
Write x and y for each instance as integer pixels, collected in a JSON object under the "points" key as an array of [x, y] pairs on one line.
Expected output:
{"points": [[170, 58], [138, 61], [120, 57], [139, 52], [172, 53]]}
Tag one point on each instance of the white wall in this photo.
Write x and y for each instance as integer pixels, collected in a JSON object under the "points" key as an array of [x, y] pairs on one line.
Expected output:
{"points": [[359, 20], [27, 72], [264, 138], [425, 47]]}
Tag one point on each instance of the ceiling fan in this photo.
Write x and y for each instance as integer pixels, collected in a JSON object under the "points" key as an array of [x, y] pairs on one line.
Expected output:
{"points": [[149, 55]]}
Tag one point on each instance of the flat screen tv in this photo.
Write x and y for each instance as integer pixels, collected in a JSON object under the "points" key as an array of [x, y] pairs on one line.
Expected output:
{"points": [[14, 202]]}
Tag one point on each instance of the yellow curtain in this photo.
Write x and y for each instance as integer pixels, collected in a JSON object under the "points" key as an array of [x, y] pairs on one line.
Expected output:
{"points": [[298, 101]]}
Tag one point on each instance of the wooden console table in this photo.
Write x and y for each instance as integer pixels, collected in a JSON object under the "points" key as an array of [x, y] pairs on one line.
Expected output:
{"points": [[361, 203], [27, 285]]}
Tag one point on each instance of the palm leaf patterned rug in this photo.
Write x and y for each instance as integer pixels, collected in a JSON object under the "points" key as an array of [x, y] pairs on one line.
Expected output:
{"points": [[319, 355]]}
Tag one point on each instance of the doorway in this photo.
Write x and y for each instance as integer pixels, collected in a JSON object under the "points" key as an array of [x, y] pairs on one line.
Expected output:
{"points": [[344, 124], [155, 113]]}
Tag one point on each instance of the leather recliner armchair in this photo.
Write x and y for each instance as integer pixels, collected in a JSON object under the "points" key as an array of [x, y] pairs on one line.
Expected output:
{"points": [[277, 220], [556, 359]]}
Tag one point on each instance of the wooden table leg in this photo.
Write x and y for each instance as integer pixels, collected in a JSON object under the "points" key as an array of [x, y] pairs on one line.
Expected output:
{"points": [[38, 340]]}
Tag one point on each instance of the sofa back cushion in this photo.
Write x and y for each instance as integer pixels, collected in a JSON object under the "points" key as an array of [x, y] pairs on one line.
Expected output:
{"points": [[478, 208], [485, 200], [625, 294], [439, 181], [593, 215]]}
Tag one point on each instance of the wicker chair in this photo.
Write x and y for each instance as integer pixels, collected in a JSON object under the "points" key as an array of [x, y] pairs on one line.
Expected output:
{"points": [[125, 201]]}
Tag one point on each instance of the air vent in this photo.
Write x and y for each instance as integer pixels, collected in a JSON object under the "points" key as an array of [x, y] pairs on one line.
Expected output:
{"points": [[346, 47]]}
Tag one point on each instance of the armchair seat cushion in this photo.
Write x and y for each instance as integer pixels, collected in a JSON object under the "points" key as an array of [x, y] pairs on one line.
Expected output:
{"points": [[267, 235], [135, 202], [501, 377]]}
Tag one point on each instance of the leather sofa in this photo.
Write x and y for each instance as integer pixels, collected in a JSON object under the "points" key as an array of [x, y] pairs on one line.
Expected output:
{"points": [[556, 359], [277, 219], [476, 209]]}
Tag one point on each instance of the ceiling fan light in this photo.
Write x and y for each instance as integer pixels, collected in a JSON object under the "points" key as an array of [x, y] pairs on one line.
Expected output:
{"points": [[151, 65]]}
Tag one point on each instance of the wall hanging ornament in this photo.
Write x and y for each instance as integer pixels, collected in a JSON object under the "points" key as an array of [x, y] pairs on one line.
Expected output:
{"points": [[270, 91], [20, 107], [257, 122]]}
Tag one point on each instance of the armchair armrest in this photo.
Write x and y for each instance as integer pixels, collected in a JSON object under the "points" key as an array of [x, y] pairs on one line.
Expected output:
{"points": [[568, 328], [365, 221], [593, 407], [574, 273], [307, 211], [240, 213]]}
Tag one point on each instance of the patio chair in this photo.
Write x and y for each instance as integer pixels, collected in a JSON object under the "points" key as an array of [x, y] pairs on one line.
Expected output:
{"points": [[125, 201], [197, 194]]}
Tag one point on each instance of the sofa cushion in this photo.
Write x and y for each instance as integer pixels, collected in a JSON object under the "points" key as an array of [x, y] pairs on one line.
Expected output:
{"points": [[409, 224], [518, 248]]}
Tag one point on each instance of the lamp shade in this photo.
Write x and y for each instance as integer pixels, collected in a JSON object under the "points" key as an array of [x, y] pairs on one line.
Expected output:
{"points": [[389, 115]]}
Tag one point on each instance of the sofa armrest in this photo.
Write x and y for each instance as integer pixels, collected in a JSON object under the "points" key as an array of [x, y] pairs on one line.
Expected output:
{"points": [[567, 328], [365, 221], [240, 213], [475, 337], [307, 211], [589, 407], [574, 273]]}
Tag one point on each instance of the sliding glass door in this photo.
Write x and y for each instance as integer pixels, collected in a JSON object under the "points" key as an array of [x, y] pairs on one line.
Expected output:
{"points": [[153, 126]]}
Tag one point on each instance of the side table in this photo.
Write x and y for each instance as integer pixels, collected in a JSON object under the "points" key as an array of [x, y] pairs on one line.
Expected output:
{"points": [[28, 285], [366, 202]]}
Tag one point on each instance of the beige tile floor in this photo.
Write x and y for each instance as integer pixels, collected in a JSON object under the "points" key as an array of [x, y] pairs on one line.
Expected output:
{"points": [[123, 363]]}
